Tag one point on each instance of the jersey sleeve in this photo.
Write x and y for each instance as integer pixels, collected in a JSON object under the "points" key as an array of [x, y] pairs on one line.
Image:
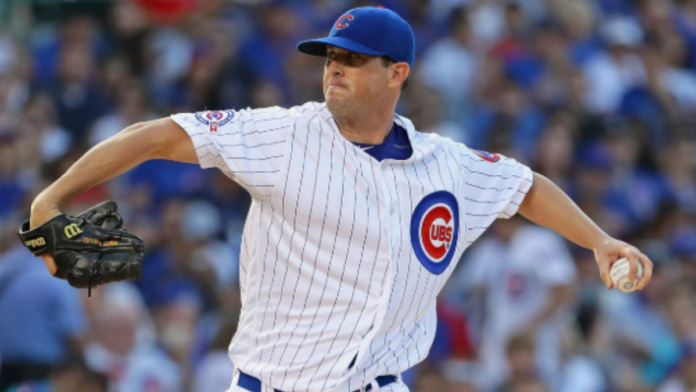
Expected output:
{"points": [[493, 186], [246, 145]]}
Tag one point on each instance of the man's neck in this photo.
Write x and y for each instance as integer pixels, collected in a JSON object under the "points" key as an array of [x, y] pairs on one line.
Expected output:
{"points": [[372, 130]]}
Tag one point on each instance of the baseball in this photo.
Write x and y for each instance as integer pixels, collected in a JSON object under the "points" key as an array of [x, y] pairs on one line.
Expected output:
{"points": [[619, 275]]}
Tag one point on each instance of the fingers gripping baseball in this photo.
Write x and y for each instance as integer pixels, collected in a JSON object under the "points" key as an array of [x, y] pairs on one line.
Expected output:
{"points": [[612, 250], [637, 258], [632, 255], [604, 264]]}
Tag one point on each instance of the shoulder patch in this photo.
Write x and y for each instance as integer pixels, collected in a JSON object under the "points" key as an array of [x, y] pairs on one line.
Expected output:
{"points": [[213, 119], [486, 155]]}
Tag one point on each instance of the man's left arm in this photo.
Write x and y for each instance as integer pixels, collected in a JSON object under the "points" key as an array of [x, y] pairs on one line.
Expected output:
{"points": [[547, 205]]}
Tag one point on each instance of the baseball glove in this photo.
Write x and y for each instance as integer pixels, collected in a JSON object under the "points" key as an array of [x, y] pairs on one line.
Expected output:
{"points": [[89, 249]]}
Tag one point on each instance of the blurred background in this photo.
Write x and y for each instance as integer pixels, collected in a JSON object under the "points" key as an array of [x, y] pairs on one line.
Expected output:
{"points": [[598, 95]]}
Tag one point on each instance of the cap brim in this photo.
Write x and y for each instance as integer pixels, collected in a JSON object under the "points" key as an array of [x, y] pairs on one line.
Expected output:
{"points": [[317, 47]]}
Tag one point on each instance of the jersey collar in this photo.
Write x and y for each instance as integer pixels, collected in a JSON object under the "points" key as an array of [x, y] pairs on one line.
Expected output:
{"points": [[422, 144]]}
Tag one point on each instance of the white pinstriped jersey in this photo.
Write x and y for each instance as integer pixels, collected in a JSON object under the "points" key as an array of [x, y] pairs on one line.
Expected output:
{"points": [[343, 255]]}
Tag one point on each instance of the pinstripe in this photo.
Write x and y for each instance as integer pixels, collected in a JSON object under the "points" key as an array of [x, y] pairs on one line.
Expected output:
{"points": [[326, 282], [489, 188], [302, 258], [345, 261], [362, 254], [398, 257], [255, 121], [421, 270], [292, 235], [418, 268], [225, 134], [251, 147], [263, 321], [408, 272], [374, 179], [297, 202], [235, 158], [410, 262], [333, 247]]}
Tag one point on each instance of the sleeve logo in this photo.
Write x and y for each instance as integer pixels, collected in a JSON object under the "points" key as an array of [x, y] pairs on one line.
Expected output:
{"points": [[487, 155], [215, 119]]}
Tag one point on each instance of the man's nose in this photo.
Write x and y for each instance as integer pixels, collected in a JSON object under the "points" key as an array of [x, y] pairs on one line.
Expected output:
{"points": [[334, 67]]}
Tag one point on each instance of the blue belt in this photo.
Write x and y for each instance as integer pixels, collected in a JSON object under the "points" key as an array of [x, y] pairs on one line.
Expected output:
{"points": [[253, 384]]}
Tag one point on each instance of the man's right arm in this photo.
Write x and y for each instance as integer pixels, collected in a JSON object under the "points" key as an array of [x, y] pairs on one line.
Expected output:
{"points": [[158, 139]]}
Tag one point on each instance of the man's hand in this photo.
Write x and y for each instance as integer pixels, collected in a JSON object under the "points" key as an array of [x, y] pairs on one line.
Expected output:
{"points": [[42, 212], [609, 250]]}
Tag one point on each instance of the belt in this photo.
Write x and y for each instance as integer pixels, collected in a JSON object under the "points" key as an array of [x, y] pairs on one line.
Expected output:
{"points": [[253, 384]]}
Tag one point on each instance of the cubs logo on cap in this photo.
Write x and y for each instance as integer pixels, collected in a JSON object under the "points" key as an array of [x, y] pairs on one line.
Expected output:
{"points": [[213, 119], [434, 230], [343, 21]]}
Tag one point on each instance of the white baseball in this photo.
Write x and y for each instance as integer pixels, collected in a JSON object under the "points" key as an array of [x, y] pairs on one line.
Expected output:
{"points": [[619, 275]]}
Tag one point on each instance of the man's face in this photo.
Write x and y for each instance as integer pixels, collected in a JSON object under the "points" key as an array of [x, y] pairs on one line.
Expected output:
{"points": [[353, 81]]}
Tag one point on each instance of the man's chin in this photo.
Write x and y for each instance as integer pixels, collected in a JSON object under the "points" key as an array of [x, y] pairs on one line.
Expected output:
{"points": [[335, 95], [336, 105]]}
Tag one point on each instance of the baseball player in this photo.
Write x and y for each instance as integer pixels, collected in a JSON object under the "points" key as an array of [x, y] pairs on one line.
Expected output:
{"points": [[357, 219]]}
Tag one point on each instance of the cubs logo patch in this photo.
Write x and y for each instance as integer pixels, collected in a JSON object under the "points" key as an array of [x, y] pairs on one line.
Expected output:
{"points": [[434, 230], [487, 155], [213, 119], [342, 22]]}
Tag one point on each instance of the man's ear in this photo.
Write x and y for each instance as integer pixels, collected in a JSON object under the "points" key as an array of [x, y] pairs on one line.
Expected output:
{"points": [[399, 73]]}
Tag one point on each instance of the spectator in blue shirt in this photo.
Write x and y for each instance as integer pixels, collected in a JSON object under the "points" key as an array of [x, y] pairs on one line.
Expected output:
{"points": [[70, 376], [41, 318]]}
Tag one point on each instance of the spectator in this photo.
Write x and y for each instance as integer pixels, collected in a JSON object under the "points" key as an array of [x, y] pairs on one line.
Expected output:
{"points": [[526, 275], [429, 379], [131, 364], [450, 64], [80, 102], [580, 372], [132, 107], [521, 360], [684, 378], [215, 371], [609, 75], [34, 304], [69, 376]]}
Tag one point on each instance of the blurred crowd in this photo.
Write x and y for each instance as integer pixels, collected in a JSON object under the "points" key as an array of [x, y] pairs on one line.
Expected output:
{"points": [[598, 95]]}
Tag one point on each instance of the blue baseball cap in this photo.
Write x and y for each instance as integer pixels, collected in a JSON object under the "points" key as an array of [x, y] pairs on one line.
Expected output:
{"points": [[374, 31]]}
